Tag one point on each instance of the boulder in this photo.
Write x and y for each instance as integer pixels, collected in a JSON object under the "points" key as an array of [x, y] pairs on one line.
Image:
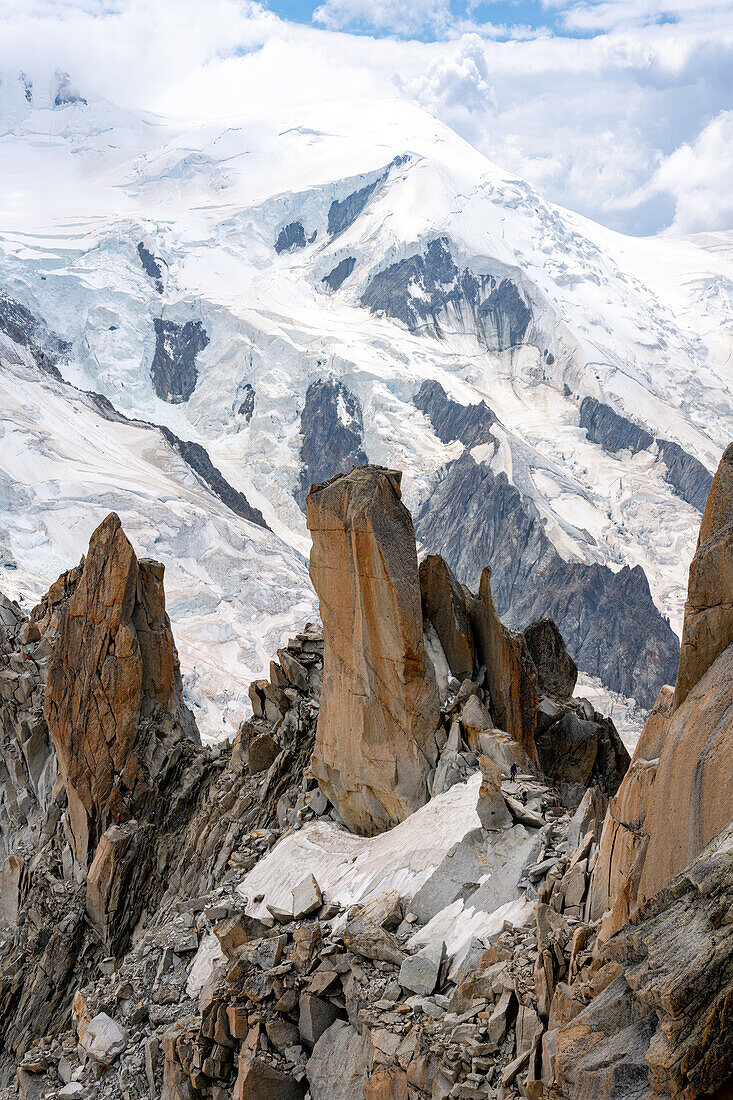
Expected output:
{"points": [[113, 676], [307, 897], [315, 1016], [491, 808], [104, 1040], [510, 673], [576, 752], [375, 740], [557, 672], [119, 873], [475, 719], [419, 972], [260, 1080], [340, 1063], [444, 605], [708, 625]]}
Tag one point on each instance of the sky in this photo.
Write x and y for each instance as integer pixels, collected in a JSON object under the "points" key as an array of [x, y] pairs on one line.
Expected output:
{"points": [[619, 109]]}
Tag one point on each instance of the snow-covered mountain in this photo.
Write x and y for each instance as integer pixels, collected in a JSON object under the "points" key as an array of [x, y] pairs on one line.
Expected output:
{"points": [[297, 292]]}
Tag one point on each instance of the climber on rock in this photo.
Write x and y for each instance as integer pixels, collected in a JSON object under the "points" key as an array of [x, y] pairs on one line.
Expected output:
{"points": [[513, 773]]}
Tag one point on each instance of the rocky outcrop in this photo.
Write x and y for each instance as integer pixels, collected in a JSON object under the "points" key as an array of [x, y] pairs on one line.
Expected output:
{"points": [[664, 1026], [375, 744], [290, 237], [708, 625], [510, 673], [25, 329], [66, 93], [428, 291], [197, 457], [338, 275], [444, 605], [113, 703], [450, 420], [174, 371], [687, 476], [610, 624], [151, 266], [343, 212], [332, 432], [557, 672], [28, 803], [603, 425], [247, 405]]}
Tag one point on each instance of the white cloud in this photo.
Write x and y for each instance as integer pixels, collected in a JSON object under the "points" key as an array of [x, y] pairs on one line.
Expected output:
{"points": [[399, 16], [697, 175], [626, 126]]}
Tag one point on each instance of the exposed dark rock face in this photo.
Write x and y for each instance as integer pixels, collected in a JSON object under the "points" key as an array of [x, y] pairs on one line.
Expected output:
{"points": [[687, 476], [247, 407], [23, 328], [290, 237], [173, 370], [344, 212], [451, 420], [492, 307], [27, 85], [332, 428], [556, 669], [151, 266], [577, 752], [198, 459], [340, 273], [609, 621], [613, 432], [66, 93]]}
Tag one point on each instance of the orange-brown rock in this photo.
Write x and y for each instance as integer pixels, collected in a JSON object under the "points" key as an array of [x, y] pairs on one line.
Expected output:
{"points": [[708, 626], [624, 838], [678, 793], [444, 604], [375, 741], [510, 672], [113, 703], [664, 1027]]}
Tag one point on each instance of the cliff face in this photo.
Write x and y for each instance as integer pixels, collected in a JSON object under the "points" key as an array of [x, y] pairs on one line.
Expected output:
{"points": [[113, 703], [375, 745], [678, 794], [708, 626]]}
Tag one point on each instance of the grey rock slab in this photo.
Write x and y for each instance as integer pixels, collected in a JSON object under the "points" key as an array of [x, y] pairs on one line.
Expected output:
{"points": [[315, 1016], [419, 972], [307, 897], [339, 1064]]}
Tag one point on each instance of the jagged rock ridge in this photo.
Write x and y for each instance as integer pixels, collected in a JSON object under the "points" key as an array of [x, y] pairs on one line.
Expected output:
{"points": [[332, 430], [608, 620], [198, 459]]}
